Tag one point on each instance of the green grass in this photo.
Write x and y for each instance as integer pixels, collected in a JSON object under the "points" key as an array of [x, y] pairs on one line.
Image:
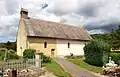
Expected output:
{"points": [[56, 69], [81, 63]]}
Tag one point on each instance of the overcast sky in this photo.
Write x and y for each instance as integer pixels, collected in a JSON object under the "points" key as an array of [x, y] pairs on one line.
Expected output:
{"points": [[97, 16]]}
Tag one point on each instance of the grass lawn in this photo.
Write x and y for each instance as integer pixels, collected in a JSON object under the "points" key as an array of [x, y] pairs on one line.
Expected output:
{"points": [[81, 63], [56, 69]]}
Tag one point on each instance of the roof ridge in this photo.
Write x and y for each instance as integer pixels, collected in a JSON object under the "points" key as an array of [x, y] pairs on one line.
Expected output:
{"points": [[56, 22]]}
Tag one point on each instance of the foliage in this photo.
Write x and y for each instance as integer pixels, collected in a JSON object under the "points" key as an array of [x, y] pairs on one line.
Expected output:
{"points": [[73, 57], [29, 53], [9, 45], [12, 55], [115, 56], [112, 38], [45, 59], [106, 37], [2, 55], [81, 63], [96, 52], [116, 39], [9, 55], [56, 69]]}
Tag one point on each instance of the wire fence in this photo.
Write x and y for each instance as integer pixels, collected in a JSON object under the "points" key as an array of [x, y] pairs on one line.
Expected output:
{"points": [[17, 64]]}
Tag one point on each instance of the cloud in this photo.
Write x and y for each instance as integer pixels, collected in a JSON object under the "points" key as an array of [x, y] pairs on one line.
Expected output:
{"points": [[97, 16], [92, 14], [8, 20]]}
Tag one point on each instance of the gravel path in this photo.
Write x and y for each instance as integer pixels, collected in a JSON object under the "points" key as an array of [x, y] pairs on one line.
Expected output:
{"points": [[72, 68]]}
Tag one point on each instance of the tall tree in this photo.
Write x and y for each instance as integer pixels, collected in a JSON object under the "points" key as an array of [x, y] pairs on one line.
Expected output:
{"points": [[116, 38], [112, 38], [8, 44]]}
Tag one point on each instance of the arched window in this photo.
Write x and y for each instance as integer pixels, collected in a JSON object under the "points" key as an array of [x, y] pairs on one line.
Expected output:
{"points": [[45, 44], [68, 45]]}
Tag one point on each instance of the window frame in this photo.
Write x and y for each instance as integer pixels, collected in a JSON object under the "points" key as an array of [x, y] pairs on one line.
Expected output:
{"points": [[45, 44], [68, 45]]}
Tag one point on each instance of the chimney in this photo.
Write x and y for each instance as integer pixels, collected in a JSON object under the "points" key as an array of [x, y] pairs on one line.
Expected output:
{"points": [[24, 13]]}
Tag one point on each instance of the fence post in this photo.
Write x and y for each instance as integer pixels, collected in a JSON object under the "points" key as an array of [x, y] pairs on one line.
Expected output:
{"points": [[12, 73], [37, 60]]}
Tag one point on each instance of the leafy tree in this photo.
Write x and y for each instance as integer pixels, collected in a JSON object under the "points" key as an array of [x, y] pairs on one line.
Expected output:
{"points": [[112, 38], [96, 52], [115, 40], [8, 44], [13, 46], [12, 55], [9, 55]]}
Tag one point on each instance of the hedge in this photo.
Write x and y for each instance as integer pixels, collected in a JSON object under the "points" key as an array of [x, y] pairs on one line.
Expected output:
{"points": [[96, 52]]}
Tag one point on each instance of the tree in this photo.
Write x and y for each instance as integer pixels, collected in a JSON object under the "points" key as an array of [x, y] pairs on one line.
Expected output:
{"points": [[13, 46], [112, 38], [96, 52], [115, 40], [8, 44]]}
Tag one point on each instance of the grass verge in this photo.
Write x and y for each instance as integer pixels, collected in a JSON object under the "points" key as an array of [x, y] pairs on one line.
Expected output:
{"points": [[56, 69], [81, 63]]}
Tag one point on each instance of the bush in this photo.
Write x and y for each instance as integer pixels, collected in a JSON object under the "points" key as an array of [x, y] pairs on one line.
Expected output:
{"points": [[9, 55], [96, 52], [2, 55], [29, 53], [45, 59], [71, 56], [115, 57]]}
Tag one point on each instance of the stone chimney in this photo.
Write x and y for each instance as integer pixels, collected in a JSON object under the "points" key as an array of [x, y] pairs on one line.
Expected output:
{"points": [[24, 13]]}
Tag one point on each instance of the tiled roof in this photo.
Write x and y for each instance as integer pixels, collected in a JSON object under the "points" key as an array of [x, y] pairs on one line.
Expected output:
{"points": [[42, 28]]}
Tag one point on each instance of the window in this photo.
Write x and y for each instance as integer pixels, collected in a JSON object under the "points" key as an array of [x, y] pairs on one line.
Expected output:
{"points": [[68, 45], [20, 47], [45, 44]]}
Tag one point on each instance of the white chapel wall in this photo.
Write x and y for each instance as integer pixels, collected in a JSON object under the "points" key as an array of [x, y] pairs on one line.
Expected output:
{"points": [[76, 47]]}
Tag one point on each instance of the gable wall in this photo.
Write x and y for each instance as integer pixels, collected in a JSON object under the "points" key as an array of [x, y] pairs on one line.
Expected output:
{"points": [[21, 39]]}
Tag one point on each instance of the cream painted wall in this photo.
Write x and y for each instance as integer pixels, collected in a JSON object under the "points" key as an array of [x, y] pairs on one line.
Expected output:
{"points": [[38, 44], [60, 46], [21, 38], [76, 47]]}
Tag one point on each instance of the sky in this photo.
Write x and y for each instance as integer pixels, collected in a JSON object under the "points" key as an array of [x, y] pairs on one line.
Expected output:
{"points": [[97, 16]]}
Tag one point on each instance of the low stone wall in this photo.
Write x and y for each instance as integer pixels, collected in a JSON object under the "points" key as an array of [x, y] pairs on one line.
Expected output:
{"points": [[31, 72], [34, 72]]}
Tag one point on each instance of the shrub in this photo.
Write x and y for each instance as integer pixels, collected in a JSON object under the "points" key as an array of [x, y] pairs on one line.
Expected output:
{"points": [[45, 59], [29, 53], [2, 55], [9, 55], [96, 52], [115, 57], [74, 57]]}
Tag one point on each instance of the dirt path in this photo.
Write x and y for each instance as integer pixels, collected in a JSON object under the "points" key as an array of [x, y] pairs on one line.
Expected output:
{"points": [[70, 67]]}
